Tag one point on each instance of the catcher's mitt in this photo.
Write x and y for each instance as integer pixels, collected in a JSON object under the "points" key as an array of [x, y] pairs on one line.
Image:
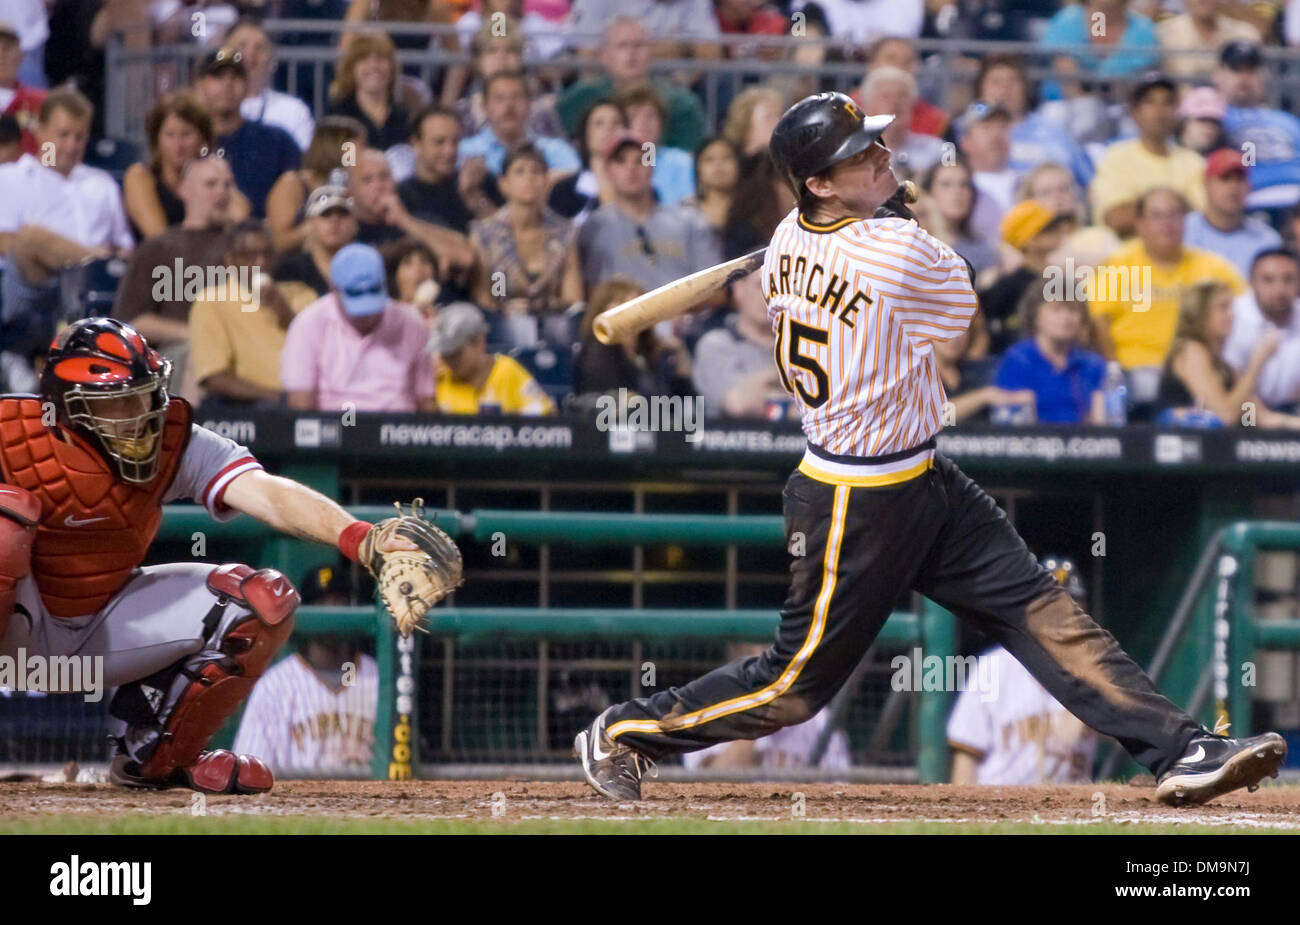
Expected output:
{"points": [[411, 581]]}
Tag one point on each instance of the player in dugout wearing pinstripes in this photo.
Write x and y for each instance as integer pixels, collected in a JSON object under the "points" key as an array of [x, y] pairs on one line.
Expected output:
{"points": [[857, 295]]}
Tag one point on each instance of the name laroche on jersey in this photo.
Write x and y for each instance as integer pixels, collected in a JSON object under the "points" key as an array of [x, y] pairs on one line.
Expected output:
{"points": [[856, 306]]}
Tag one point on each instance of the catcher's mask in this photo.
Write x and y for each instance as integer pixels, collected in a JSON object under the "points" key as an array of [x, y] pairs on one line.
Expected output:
{"points": [[109, 385]]}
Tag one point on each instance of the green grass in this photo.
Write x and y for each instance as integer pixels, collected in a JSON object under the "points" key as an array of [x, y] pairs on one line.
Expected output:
{"points": [[184, 824]]}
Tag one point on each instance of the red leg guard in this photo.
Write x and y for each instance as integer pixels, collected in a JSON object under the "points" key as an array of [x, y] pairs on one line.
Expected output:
{"points": [[19, 512], [222, 771], [218, 681]]}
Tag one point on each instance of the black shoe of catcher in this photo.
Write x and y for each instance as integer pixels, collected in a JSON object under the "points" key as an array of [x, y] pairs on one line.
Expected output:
{"points": [[612, 769], [1214, 765]]}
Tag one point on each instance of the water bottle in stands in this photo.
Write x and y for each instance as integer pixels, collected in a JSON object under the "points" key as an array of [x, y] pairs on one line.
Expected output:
{"points": [[1012, 415], [1116, 395]]}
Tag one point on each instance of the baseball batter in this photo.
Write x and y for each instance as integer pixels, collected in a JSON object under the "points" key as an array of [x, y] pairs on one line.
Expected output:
{"points": [[858, 294], [85, 468]]}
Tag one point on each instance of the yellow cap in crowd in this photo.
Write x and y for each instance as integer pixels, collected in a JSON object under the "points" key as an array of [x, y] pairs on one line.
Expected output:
{"points": [[1023, 221]]}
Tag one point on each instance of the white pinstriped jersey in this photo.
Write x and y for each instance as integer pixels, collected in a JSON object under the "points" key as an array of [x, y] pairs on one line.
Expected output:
{"points": [[1018, 732], [855, 305], [295, 720]]}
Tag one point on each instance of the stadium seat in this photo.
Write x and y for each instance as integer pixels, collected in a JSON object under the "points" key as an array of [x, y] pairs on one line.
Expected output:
{"points": [[91, 289], [552, 367], [561, 330], [498, 338], [114, 155]]}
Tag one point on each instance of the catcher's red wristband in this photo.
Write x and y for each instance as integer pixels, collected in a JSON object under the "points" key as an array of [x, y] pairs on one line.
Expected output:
{"points": [[351, 537]]}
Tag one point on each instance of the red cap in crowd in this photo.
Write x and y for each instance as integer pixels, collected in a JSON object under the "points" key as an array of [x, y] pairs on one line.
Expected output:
{"points": [[1224, 161]]}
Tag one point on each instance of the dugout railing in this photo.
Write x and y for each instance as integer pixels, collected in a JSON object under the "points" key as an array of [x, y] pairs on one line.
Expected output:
{"points": [[408, 715], [1208, 659], [1248, 633], [1217, 631]]}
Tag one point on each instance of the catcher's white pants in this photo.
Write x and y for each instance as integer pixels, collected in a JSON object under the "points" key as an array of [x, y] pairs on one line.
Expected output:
{"points": [[155, 620]]}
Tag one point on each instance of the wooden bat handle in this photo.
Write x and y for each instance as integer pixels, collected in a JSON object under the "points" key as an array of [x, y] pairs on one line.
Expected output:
{"points": [[678, 297], [671, 300]]}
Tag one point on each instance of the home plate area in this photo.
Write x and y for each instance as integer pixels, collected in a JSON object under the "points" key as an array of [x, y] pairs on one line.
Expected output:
{"points": [[525, 806]]}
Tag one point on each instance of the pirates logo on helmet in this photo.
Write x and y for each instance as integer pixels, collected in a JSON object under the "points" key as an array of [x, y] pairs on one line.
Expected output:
{"points": [[1067, 576], [108, 385]]}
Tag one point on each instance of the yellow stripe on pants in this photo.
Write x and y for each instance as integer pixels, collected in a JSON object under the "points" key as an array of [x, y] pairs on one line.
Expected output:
{"points": [[830, 569]]}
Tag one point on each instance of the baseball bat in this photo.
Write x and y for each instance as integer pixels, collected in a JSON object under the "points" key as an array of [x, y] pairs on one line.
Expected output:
{"points": [[672, 299]]}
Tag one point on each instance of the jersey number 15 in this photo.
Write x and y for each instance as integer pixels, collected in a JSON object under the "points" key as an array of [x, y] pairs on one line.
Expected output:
{"points": [[790, 334]]}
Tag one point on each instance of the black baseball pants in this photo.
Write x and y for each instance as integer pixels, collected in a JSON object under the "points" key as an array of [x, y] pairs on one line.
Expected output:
{"points": [[940, 534]]}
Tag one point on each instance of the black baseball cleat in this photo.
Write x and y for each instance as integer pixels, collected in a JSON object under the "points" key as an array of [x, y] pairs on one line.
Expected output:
{"points": [[612, 769], [1214, 765]]}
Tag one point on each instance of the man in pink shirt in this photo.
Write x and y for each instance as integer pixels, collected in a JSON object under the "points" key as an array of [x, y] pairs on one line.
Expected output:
{"points": [[355, 349]]}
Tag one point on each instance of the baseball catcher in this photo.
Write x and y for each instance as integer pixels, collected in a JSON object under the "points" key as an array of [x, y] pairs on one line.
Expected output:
{"points": [[85, 468], [857, 296]]}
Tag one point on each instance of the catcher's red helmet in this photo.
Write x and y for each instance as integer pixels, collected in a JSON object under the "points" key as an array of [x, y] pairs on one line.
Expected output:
{"points": [[109, 385]]}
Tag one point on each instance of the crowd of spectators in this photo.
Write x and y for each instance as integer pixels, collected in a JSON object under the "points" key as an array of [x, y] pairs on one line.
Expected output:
{"points": [[1129, 205]]}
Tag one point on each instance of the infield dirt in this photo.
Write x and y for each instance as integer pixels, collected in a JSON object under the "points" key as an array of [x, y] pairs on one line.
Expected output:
{"points": [[75, 807]]}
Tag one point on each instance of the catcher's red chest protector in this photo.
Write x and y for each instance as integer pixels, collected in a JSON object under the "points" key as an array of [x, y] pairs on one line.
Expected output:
{"points": [[95, 528]]}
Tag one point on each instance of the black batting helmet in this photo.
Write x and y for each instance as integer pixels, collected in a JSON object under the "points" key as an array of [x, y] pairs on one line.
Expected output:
{"points": [[819, 131], [109, 385], [1063, 570]]}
